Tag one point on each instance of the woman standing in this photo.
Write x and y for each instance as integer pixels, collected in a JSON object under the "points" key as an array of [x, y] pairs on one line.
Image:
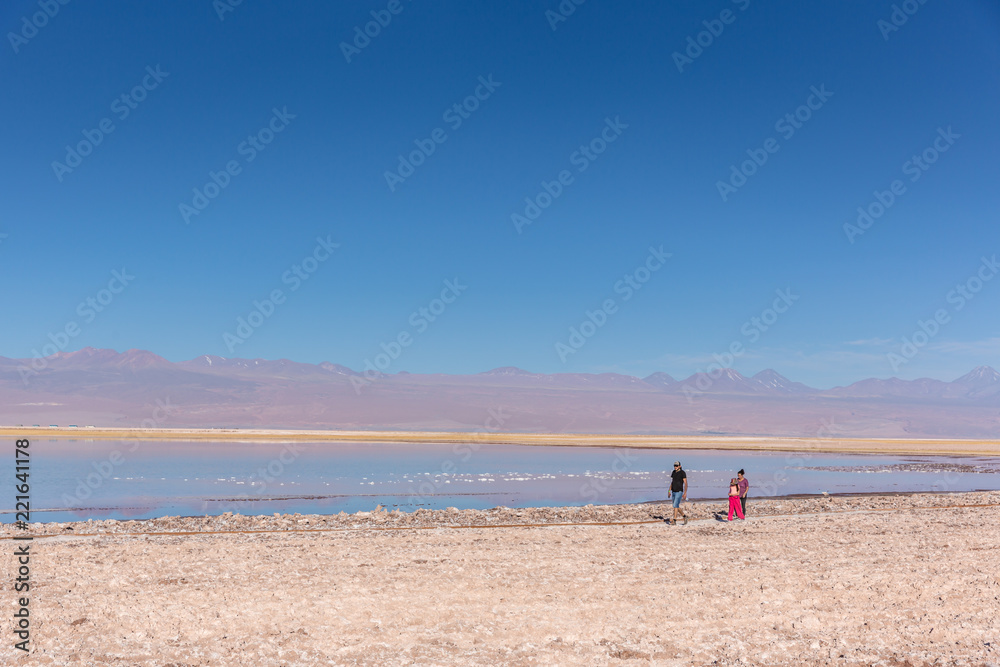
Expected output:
{"points": [[734, 499]]}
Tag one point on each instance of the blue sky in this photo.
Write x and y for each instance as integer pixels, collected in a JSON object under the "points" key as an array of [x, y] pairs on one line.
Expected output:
{"points": [[201, 90]]}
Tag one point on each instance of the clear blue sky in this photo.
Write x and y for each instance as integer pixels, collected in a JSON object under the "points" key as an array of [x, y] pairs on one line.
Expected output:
{"points": [[324, 175]]}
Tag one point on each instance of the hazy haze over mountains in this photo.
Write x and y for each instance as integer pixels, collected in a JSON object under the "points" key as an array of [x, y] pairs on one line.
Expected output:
{"points": [[106, 388]]}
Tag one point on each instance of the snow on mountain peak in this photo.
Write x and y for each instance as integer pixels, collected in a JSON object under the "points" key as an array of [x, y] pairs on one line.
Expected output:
{"points": [[980, 376]]}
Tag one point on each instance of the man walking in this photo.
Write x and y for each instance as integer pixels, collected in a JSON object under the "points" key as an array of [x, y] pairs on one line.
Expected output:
{"points": [[744, 486], [678, 491]]}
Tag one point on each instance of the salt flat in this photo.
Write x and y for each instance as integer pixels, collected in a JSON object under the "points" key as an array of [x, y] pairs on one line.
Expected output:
{"points": [[890, 580]]}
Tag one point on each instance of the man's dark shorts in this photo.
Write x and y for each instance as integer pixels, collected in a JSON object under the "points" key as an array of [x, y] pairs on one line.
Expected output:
{"points": [[677, 498]]}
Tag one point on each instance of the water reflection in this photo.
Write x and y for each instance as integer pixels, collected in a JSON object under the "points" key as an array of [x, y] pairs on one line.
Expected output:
{"points": [[82, 480]]}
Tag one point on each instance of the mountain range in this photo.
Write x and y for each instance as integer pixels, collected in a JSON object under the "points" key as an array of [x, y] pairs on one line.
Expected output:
{"points": [[107, 388]]}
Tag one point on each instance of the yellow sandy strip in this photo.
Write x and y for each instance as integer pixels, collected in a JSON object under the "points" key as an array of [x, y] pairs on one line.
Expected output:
{"points": [[956, 447]]}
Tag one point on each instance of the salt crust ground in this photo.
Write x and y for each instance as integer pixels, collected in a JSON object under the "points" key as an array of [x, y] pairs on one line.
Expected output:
{"points": [[894, 580]]}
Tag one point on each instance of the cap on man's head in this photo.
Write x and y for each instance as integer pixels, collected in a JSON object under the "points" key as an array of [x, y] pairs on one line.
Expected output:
{"points": [[677, 463]]}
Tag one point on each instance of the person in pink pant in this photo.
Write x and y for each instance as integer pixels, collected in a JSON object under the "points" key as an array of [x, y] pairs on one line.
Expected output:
{"points": [[734, 499]]}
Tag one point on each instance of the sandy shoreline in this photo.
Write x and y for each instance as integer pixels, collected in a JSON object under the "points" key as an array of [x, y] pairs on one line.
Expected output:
{"points": [[382, 519], [887, 580], [952, 447]]}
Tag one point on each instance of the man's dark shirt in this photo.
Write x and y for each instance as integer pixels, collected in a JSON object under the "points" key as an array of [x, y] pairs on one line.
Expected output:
{"points": [[677, 477]]}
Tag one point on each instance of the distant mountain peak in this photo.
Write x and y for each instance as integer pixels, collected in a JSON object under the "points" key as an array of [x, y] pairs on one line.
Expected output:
{"points": [[980, 382], [980, 376], [136, 353], [725, 375], [507, 371], [208, 360], [337, 368], [87, 353], [659, 379], [724, 380], [772, 379], [90, 356]]}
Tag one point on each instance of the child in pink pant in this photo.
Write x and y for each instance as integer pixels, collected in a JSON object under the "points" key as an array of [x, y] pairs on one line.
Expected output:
{"points": [[734, 499]]}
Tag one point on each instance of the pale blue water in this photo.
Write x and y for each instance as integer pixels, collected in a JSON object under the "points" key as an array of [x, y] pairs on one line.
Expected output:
{"points": [[80, 480]]}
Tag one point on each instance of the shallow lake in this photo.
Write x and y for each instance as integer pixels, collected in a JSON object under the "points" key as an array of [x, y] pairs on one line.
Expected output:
{"points": [[74, 480]]}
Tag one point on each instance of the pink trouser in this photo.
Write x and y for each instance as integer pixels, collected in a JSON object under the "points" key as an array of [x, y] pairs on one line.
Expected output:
{"points": [[734, 504]]}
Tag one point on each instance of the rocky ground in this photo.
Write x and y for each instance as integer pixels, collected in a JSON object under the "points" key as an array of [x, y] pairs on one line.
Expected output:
{"points": [[875, 580], [380, 518]]}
